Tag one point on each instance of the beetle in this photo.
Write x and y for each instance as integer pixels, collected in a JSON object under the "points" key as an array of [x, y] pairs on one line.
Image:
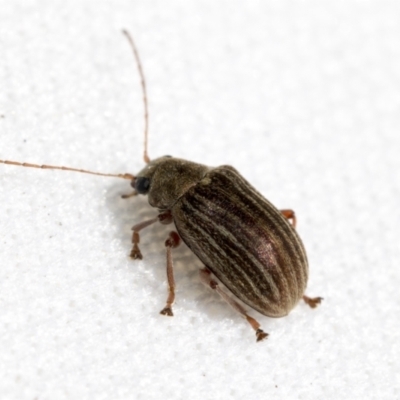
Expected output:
{"points": [[244, 241]]}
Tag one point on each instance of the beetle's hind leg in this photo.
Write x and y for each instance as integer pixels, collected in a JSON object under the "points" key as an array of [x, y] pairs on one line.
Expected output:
{"points": [[291, 216], [312, 301], [172, 242], [207, 279]]}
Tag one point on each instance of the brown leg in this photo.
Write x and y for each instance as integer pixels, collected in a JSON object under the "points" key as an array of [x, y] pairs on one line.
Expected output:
{"points": [[312, 301], [164, 218], [128, 195], [171, 243], [291, 216], [206, 278]]}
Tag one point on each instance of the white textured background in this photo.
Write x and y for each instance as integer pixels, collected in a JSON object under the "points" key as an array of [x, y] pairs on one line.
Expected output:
{"points": [[302, 97]]}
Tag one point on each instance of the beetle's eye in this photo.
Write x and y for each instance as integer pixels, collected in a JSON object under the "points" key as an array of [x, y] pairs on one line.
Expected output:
{"points": [[142, 185], [168, 156]]}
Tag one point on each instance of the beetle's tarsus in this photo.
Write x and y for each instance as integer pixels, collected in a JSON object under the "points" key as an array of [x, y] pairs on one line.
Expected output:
{"points": [[261, 335], [136, 254], [312, 301], [167, 311]]}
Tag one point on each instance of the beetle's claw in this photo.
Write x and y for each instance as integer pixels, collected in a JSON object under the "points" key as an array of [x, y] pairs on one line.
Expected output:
{"points": [[312, 301], [261, 334], [136, 254], [167, 311]]}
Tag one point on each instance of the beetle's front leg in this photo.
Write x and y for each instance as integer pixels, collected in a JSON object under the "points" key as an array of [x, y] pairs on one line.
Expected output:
{"points": [[129, 195], [172, 242], [206, 278], [164, 218]]}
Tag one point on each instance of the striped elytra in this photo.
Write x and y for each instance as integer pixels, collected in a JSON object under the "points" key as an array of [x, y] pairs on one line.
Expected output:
{"points": [[244, 241], [240, 237]]}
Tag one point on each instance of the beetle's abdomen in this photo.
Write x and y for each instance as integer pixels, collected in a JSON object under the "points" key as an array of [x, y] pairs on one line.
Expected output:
{"points": [[244, 240]]}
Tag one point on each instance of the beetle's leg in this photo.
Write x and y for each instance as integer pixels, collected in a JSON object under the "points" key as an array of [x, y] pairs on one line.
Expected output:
{"points": [[312, 301], [128, 195], [206, 278], [164, 218], [291, 216], [172, 242]]}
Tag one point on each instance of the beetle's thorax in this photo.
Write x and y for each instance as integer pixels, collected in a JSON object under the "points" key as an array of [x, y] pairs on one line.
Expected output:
{"points": [[170, 178]]}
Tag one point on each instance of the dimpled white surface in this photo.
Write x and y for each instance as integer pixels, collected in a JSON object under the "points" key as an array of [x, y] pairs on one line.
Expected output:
{"points": [[303, 98]]}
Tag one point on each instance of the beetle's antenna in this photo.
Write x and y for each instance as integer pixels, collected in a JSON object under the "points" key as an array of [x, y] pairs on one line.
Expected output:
{"points": [[84, 171], [143, 83]]}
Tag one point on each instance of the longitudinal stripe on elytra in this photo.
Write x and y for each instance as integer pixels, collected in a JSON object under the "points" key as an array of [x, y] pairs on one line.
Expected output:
{"points": [[293, 249], [244, 281], [199, 220], [227, 276], [231, 250], [246, 193], [226, 228], [287, 294], [222, 224], [242, 203], [277, 227]]}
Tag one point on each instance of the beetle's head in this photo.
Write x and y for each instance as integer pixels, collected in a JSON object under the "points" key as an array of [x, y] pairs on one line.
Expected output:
{"points": [[166, 179], [142, 181]]}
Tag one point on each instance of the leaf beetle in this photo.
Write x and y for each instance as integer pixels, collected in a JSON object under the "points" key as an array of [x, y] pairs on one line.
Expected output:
{"points": [[244, 242]]}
